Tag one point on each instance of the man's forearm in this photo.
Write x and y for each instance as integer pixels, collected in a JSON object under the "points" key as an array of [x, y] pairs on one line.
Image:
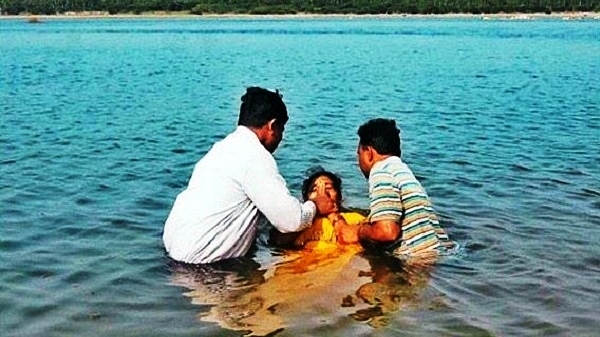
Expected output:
{"points": [[379, 231]]}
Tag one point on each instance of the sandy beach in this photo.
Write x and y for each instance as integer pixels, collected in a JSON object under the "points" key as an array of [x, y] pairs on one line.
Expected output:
{"points": [[186, 15]]}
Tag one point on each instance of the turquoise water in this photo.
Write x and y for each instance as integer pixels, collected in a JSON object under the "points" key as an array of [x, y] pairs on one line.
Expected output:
{"points": [[103, 120]]}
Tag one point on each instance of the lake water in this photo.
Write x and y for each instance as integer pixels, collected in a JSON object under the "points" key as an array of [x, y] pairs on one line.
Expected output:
{"points": [[103, 120]]}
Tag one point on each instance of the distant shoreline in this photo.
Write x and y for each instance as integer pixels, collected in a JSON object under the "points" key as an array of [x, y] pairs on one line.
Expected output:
{"points": [[185, 15]]}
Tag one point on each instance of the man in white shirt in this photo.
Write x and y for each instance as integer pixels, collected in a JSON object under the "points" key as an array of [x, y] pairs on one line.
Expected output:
{"points": [[215, 217]]}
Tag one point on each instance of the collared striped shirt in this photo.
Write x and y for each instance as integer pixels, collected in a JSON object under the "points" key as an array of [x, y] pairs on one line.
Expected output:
{"points": [[398, 196]]}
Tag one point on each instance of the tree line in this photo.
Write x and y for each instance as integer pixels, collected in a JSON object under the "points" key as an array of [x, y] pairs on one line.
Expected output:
{"points": [[199, 7]]}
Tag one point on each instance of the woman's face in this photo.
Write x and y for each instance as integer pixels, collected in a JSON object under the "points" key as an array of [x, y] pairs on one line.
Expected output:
{"points": [[323, 186]]}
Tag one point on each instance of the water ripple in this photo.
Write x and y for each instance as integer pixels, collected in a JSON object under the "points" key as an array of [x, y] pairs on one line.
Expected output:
{"points": [[103, 121]]}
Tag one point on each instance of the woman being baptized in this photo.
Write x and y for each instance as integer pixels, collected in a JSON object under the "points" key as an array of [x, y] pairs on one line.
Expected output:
{"points": [[322, 233]]}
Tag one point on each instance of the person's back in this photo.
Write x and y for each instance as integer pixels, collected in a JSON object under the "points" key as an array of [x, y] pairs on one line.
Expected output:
{"points": [[420, 225], [402, 221], [215, 217], [215, 197]]}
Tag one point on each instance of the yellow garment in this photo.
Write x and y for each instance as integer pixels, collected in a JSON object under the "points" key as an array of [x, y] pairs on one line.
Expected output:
{"points": [[322, 234]]}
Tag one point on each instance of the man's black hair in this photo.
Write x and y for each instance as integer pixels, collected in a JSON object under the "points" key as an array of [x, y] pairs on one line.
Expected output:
{"points": [[382, 134], [259, 106], [314, 174]]}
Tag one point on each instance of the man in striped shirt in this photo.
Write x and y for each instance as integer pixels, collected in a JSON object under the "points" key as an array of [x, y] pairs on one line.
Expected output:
{"points": [[402, 221]]}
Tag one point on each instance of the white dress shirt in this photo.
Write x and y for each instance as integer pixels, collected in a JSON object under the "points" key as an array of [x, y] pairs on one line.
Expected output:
{"points": [[215, 217]]}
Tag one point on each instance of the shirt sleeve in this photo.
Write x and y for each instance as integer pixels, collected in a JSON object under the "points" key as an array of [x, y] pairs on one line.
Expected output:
{"points": [[386, 201], [268, 191]]}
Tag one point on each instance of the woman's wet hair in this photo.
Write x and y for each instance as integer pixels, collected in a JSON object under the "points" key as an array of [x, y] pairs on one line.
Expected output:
{"points": [[314, 174]]}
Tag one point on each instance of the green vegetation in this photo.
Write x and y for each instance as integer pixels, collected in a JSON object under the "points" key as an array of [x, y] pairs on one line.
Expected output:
{"points": [[50, 7]]}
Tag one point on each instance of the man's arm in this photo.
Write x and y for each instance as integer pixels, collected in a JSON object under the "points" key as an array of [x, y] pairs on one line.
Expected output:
{"points": [[268, 191], [380, 231], [386, 213]]}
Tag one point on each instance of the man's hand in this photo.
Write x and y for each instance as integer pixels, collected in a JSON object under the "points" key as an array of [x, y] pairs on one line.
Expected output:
{"points": [[345, 233], [325, 205]]}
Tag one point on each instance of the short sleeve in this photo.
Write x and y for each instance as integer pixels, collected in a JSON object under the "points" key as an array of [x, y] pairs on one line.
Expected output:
{"points": [[386, 201]]}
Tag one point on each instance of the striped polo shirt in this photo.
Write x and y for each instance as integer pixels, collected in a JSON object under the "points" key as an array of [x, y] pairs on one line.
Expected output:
{"points": [[397, 195]]}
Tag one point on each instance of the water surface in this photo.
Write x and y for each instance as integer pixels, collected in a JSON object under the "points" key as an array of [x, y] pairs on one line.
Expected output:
{"points": [[102, 122]]}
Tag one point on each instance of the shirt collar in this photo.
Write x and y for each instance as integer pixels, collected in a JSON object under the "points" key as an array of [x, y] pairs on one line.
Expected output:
{"points": [[248, 135], [387, 160], [245, 132]]}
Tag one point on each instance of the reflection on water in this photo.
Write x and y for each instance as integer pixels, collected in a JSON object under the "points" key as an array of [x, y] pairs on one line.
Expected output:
{"points": [[392, 284], [306, 290]]}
